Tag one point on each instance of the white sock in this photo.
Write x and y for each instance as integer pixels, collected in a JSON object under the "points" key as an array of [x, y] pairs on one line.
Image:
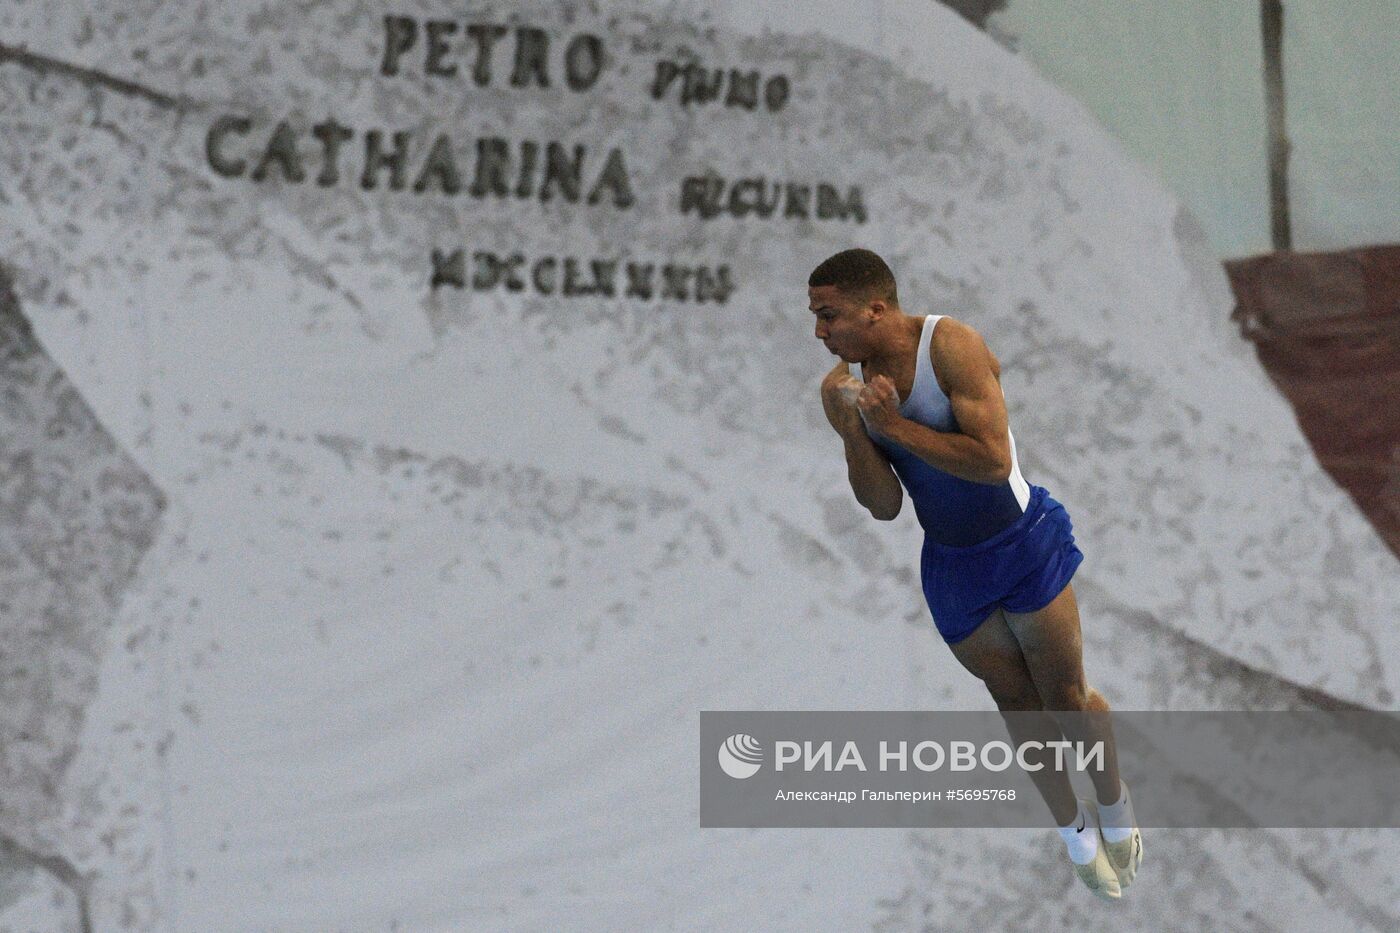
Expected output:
{"points": [[1080, 838], [1117, 820]]}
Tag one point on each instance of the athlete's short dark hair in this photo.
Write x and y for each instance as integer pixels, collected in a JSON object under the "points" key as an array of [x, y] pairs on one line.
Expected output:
{"points": [[856, 270]]}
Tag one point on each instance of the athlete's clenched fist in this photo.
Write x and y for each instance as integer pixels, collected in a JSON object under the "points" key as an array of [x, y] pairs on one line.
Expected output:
{"points": [[839, 393], [879, 402]]}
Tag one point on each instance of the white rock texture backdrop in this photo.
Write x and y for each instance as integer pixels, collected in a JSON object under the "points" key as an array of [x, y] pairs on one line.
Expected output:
{"points": [[410, 424]]}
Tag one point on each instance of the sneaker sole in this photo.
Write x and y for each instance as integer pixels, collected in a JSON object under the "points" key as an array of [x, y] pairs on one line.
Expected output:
{"points": [[1125, 857]]}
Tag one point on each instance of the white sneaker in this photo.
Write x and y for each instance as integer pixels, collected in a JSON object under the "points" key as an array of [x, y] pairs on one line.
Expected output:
{"points": [[1125, 857], [1098, 876]]}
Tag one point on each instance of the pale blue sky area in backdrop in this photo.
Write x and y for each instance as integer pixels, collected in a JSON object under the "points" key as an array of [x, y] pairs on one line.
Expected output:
{"points": [[1180, 84]]}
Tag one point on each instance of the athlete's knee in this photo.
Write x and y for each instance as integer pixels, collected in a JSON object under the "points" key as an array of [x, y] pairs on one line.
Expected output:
{"points": [[1069, 697], [1076, 698], [1017, 698]]}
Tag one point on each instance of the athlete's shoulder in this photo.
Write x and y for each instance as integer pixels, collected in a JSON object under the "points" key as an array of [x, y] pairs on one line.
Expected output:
{"points": [[951, 332], [957, 347], [839, 370]]}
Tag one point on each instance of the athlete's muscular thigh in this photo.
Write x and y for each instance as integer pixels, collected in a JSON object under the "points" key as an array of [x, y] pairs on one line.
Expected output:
{"points": [[992, 654], [1053, 649]]}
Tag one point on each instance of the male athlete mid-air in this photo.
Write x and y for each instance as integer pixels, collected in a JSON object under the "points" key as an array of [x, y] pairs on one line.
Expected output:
{"points": [[918, 402]]}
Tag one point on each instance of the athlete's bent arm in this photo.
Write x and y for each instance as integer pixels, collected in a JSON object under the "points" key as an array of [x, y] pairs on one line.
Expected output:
{"points": [[980, 450], [872, 478]]}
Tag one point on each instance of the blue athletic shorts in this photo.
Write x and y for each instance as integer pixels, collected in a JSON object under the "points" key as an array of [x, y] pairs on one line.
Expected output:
{"points": [[1020, 568]]}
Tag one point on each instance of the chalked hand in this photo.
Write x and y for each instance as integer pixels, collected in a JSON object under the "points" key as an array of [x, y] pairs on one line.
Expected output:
{"points": [[879, 403]]}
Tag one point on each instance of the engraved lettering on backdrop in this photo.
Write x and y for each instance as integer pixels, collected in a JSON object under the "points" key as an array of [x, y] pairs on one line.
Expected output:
{"points": [[451, 162]]}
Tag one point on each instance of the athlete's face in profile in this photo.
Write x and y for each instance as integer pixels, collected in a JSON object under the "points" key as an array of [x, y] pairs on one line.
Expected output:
{"points": [[843, 321]]}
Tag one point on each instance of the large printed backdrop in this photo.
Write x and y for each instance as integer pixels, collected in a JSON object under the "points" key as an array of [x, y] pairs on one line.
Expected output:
{"points": [[467, 353]]}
